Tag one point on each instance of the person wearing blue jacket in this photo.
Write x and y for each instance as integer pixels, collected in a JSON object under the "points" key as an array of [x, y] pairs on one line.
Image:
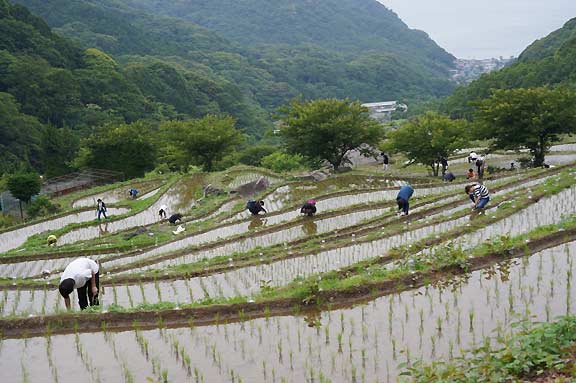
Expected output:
{"points": [[403, 197]]}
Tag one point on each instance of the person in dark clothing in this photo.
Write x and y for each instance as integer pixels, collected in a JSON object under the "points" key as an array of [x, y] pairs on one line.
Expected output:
{"points": [[309, 208], [385, 161], [101, 208], [480, 166], [444, 163], [403, 197], [175, 218], [133, 193], [448, 177], [162, 212], [255, 207]]}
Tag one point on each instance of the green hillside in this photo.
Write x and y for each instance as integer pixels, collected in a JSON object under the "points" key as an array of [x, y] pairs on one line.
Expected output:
{"points": [[349, 26], [550, 61], [253, 43], [55, 92]]}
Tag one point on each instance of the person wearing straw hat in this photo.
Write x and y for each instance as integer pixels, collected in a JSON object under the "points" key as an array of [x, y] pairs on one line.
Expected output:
{"points": [[82, 274], [52, 239], [309, 208]]}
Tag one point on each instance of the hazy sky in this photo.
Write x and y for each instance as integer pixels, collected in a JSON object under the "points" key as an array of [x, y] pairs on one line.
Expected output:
{"points": [[484, 28]]}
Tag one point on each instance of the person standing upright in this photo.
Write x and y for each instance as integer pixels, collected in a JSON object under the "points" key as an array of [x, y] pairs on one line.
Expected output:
{"points": [[101, 208], [480, 163], [385, 161], [444, 163]]}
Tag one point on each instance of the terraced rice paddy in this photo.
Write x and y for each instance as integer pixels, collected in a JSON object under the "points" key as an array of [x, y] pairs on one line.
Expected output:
{"points": [[341, 297]]}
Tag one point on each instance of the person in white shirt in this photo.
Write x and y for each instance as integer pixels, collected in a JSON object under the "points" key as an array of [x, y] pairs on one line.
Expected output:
{"points": [[82, 274]]}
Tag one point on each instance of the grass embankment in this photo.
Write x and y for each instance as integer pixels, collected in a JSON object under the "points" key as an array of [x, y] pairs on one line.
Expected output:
{"points": [[536, 352], [323, 291], [160, 234], [378, 227], [306, 295], [37, 243], [65, 202], [383, 226]]}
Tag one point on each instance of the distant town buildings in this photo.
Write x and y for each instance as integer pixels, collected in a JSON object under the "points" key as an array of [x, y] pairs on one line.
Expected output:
{"points": [[469, 70], [382, 111]]}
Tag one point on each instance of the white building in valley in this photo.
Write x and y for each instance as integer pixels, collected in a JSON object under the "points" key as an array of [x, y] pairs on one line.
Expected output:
{"points": [[382, 111]]}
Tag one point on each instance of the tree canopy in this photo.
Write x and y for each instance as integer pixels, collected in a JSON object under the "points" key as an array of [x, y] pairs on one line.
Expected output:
{"points": [[24, 186], [429, 138], [200, 141], [127, 148], [527, 118], [328, 129]]}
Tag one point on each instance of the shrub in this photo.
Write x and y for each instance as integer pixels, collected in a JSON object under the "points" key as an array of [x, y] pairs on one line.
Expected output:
{"points": [[253, 156], [40, 207], [6, 220], [283, 162]]}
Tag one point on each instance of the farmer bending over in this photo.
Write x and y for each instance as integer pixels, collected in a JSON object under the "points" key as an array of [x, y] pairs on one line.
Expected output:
{"points": [[174, 218], [309, 208], [52, 239], [81, 274], [255, 207], [403, 197], [133, 193], [479, 194]]}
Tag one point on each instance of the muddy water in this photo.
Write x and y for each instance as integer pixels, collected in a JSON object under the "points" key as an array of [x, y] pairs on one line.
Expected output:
{"points": [[246, 244], [556, 159], [288, 195], [307, 227], [366, 342], [563, 148], [115, 195], [251, 177], [225, 208], [14, 238], [150, 194], [34, 268], [179, 198], [246, 281], [110, 197], [269, 220], [547, 211]]}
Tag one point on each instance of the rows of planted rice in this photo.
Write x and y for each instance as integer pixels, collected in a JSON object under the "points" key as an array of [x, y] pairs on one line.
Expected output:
{"points": [[362, 343], [227, 256]]}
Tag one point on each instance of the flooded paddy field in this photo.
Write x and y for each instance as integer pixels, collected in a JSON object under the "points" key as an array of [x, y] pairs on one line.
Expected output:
{"points": [[180, 197], [145, 190], [247, 281], [14, 238], [362, 343], [334, 342]]}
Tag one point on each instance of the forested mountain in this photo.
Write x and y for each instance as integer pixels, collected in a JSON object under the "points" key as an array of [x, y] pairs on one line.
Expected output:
{"points": [[273, 50], [121, 61], [54, 92], [550, 61], [348, 26]]}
